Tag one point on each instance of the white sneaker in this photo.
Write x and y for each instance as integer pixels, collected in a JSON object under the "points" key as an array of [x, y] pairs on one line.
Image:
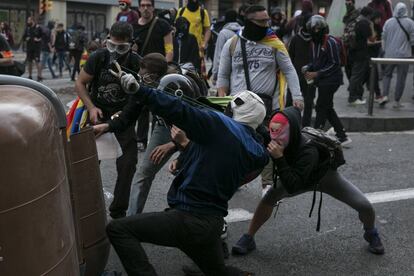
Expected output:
{"points": [[384, 100], [265, 190], [331, 132], [397, 105], [345, 141], [358, 102]]}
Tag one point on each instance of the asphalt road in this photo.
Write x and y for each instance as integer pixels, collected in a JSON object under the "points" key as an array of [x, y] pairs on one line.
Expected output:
{"points": [[289, 244]]}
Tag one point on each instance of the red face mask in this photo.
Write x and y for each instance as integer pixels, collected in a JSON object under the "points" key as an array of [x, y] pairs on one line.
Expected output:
{"points": [[282, 134]]}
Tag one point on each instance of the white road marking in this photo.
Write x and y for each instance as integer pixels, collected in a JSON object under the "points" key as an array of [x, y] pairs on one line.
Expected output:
{"points": [[238, 214], [392, 195]]}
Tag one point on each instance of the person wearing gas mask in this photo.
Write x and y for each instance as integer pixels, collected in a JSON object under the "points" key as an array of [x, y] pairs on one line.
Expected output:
{"points": [[223, 154], [258, 61], [300, 167], [324, 72], [185, 44], [126, 14], [107, 97]]}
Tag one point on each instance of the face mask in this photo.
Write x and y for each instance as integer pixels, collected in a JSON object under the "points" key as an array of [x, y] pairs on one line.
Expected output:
{"points": [[192, 5], [317, 37], [182, 29], [349, 7], [253, 31], [281, 135]]}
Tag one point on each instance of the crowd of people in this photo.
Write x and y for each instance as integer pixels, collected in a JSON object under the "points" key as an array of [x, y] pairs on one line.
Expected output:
{"points": [[271, 66]]}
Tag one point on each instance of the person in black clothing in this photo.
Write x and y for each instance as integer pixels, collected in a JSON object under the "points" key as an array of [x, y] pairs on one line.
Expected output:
{"points": [[374, 49], [33, 37], [279, 22], [324, 71], [359, 56], [185, 44], [299, 48], [300, 167], [48, 41], [76, 47], [159, 40], [61, 47], [107, 97]]}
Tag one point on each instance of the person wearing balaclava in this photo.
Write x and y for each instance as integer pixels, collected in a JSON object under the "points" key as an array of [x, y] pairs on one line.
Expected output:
{"points": [[300, 167], [278, 22], [199, 23], [222, 154], [299, 48], [231, 28], [397, 43], [106, 98], [324, 72], [126, 14], [185, 44]]}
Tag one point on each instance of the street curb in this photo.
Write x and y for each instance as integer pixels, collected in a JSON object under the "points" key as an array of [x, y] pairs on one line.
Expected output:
{"points": [[377, 124]]}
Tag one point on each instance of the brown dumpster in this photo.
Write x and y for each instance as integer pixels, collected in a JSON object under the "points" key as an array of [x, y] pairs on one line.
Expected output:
{"points": [[89, 204], [37, 235]]}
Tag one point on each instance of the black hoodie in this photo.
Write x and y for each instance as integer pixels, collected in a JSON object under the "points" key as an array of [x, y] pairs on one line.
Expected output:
{"points": [[298, 169]]}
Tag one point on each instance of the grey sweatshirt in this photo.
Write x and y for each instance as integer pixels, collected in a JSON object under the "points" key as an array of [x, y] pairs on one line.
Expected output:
{"points": [[228, 31], [394, 39], [262, 70]]}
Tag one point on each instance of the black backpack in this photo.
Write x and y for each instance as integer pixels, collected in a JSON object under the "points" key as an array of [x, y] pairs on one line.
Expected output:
{"points": [[201, 14], [328, 147]]}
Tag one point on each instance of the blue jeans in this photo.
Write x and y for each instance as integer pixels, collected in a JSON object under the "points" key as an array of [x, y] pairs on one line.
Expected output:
{"points": [[47, 58], [62, 61], [147, 170]]}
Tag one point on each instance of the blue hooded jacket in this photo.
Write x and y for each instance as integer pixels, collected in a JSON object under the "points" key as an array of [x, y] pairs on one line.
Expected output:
{"points": [[223, 155]]}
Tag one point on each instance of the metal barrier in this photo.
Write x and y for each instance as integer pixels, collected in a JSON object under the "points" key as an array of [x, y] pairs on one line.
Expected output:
{"points": [[376, 61]]}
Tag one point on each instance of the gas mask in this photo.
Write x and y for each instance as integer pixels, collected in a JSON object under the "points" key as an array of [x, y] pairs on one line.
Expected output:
{"points": [[117, 50], [193, 5]]}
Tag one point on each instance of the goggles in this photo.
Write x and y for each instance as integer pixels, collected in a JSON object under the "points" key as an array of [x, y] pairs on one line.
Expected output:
{"points": [[123, 4], [148, 78], [120, 48]]}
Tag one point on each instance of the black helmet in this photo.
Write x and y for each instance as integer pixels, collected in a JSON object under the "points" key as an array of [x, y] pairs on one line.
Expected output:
{"points": [[178, 85], [317, 22]]}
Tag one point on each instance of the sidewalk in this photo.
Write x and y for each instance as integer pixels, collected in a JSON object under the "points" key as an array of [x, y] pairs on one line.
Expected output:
{"points": [[387, 118]]}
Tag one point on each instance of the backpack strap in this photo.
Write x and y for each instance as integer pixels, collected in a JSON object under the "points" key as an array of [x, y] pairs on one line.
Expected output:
{"points": [[151, 28], [202, 15], [233, 44], [182, 10], [245, 64]]}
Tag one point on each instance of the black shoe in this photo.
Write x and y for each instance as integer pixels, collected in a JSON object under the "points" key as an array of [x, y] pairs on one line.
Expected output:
{"points": [[375, 244], [39, 79], [192, 270], [117, 215], [30, 77]]}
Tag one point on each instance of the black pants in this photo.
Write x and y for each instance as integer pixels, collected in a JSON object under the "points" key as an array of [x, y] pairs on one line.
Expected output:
{"points": [[198, 236], [77, 55], [143, 126], [360, 69], [308, 93], [125, 167], [377, 88], [325, 110]]}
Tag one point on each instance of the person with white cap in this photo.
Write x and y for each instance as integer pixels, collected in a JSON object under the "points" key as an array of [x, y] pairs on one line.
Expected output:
{"points": [[223, 154]]}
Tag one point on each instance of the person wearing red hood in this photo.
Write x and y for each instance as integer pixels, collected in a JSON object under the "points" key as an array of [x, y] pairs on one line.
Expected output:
{"points": [[126, 14], [300, 167], [384, 7]]}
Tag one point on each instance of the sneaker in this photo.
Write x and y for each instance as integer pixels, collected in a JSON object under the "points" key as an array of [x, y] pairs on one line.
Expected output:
{"points": [[265, 190], [345, 141], [244, 245], [331, 132], [397, 105], [375, 245], [384, 100], [378, 99], [358, 102]]}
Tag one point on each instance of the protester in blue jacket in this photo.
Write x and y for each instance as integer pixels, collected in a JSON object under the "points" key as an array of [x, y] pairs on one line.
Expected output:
{"points": [[224, 153]]}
